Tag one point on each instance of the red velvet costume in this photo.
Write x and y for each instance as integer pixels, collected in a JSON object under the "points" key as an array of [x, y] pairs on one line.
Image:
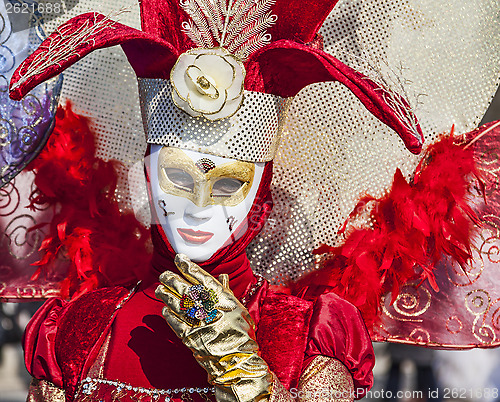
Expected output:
{"points": [[112, 343], [65, 339]]}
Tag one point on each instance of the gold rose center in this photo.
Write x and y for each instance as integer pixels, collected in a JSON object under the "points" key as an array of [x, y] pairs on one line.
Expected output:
{"points": [[203, 82]]}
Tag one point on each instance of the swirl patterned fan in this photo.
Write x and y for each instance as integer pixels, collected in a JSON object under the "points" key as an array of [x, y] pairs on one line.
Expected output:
{"points": [[24, 125]]}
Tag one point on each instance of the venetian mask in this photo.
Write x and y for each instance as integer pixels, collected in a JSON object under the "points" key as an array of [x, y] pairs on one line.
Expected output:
{"points": [[200, 200]]}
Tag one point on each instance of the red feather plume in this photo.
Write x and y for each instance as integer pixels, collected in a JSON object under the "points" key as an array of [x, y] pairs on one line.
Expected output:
{"points": [[414, 225], [104, 246]]}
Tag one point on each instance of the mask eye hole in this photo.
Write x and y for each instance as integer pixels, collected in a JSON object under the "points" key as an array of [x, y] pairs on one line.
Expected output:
{"points": [[226, 187], [180, 178]]}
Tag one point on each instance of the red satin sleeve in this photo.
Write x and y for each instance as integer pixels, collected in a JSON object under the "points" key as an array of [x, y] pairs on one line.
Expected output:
{"points": [[39, 343], [337, 330]]}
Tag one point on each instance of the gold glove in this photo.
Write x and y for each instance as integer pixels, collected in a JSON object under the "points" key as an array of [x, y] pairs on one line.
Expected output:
{"points": [[210, 320]]}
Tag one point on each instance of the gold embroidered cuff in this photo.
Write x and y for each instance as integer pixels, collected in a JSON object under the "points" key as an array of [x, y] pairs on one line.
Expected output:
{"points": [[42, 391], [325, 379], [280, 393]]}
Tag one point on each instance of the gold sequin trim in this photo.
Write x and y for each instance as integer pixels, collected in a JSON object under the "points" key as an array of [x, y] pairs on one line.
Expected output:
{"points": [[41, 391], [325, 379], [252, 134], [279, 393]]}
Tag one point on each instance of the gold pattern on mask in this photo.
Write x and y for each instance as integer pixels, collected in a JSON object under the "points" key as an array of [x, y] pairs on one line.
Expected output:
{"points": [[201, 188]]}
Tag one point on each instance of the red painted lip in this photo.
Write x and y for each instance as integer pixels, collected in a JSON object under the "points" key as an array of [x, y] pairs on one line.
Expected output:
{"points": [[195, 236]]}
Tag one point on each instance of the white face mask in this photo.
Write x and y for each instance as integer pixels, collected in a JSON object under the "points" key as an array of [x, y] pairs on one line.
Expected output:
{"points": [[200, 200]]}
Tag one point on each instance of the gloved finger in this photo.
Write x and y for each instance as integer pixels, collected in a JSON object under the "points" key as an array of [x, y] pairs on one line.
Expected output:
{"points": [[226, 299], [175, 283], [172, 300], [224, 280], [196, 274], [176, 322], [224, 303]]}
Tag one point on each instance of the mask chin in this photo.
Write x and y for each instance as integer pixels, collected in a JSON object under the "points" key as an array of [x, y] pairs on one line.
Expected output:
{"points": [[196, 201]]}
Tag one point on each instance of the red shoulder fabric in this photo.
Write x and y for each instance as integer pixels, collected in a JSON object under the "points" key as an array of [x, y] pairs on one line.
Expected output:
{"points": [[283, 350], [60, 336], [74, 346], [39, 343], [337, 330]]}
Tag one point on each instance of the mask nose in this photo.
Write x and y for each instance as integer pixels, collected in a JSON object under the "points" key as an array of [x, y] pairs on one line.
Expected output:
{"points": [[202, 194], [195, 215]]}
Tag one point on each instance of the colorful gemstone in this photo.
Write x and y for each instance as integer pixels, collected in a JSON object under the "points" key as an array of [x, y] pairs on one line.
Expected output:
{"points": [[198, 304]]}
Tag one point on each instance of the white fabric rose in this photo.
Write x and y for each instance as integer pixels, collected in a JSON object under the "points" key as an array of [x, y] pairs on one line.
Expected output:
{"points": [[208, 82]]}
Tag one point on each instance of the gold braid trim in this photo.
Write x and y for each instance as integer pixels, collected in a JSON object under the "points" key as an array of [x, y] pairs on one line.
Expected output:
{"points": [[42, 391]]}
